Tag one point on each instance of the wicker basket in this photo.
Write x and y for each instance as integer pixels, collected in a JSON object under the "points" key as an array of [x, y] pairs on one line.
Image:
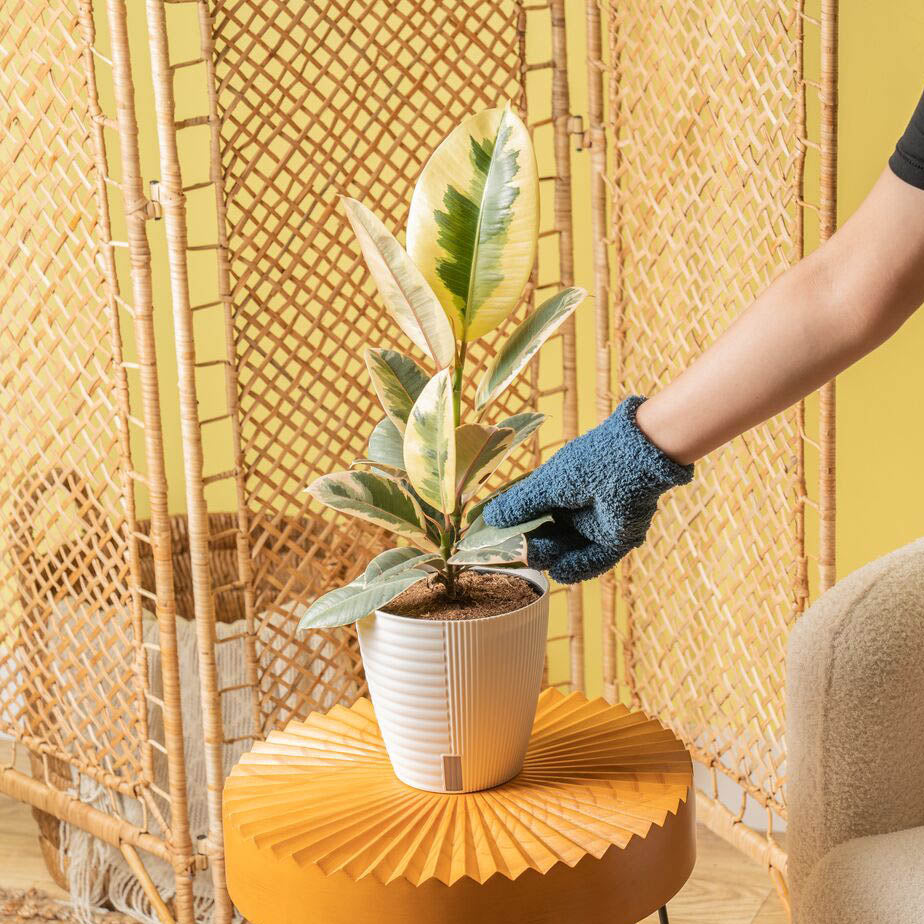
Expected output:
{"points": [[224, 569]]}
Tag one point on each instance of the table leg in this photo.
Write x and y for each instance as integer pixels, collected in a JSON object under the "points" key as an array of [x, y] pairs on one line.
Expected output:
{"points": [[662, 915]]}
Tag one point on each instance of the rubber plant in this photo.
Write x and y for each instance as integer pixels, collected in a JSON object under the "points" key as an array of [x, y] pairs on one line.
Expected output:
{"points": [[471, 244]]}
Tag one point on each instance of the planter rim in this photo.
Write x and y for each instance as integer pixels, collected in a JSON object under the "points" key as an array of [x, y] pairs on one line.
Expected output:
{"points": [[536, 578]]}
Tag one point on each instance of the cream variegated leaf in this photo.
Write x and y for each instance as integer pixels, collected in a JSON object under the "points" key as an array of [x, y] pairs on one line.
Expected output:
{"points": [[524, 343], [475, 511], [474, 220], [389, 471], [385, 561], [479, 450], [397, 380], [523, 425], [406, 292], [430, 446], [509, 552], [372, 497], [480, 535], [348, 604], [392, 562]]}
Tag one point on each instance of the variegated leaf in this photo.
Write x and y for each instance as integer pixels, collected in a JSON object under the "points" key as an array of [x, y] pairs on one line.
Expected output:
{"points": [[387, 560], [474, 220], [480, 535], [346, 605], [382, 501], [397, 380], [475, 511], [479, 450], [389, 471], [430, 446], [523, 425], [407, 294], [436, 522], [386, 446], [524, 343], [393, 561], [511, 551]]}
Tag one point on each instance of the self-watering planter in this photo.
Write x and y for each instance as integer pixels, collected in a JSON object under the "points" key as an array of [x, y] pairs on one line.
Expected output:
{"points": [[455, 698]]}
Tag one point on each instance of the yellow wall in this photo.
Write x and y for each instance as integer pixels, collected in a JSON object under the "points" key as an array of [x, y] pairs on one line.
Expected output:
{"points": [[881, 503], [880, 433]]}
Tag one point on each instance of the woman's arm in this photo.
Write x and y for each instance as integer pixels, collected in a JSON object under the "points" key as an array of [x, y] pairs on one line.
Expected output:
{"points": [[826, 312], [601, 490]]}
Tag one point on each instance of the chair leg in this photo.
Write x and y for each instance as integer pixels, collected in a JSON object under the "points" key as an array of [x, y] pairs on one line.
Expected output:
{"points": [[662, 915]]}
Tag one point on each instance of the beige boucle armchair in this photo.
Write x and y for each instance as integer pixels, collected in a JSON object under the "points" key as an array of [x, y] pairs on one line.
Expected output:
{"points": [[855, 731]]}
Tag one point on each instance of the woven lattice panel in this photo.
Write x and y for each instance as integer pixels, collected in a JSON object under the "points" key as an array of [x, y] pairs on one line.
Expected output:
{"points": [[704, 119], [317, 100], [68, 686]]}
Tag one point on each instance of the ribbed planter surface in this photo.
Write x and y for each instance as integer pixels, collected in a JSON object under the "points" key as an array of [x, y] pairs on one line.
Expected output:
{"points": [[455, 699]]}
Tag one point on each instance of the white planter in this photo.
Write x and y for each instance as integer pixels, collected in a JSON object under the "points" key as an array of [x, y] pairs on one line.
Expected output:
{"points": [[456, 698]]}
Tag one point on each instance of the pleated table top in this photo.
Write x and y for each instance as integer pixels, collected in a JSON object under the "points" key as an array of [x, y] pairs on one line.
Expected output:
{"points": [[598, 826]]}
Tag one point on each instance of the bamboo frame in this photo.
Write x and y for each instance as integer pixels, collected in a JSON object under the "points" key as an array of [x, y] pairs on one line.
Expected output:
{"points": [[143, 316], [106, 827], [271, 549], [603, 326], [828, 221], [561, 119], [173, 202]]}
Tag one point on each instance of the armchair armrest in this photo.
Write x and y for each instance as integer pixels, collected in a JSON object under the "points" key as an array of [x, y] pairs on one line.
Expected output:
{"points": [[855, 711]]}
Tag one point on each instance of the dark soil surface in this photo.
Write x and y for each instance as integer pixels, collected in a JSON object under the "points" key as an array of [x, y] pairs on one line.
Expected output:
{"points": [[479, 595]]}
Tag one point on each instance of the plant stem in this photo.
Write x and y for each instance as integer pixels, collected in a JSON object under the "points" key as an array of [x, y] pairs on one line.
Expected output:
{"points": [[458, 378], [457, 382]]}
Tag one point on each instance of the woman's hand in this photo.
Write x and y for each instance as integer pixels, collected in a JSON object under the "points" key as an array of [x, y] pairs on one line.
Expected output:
{"points": [[602, 490]]}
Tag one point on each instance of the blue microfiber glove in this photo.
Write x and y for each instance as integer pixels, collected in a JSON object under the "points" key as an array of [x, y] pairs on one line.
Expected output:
{"points": [[602, 490]]}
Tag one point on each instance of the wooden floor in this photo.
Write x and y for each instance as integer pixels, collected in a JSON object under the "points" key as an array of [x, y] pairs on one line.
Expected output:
{"points": [[726, 887]]}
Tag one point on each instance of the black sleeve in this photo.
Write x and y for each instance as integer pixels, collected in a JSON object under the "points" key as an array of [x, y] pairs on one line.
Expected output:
{"points": [[907, 162]]}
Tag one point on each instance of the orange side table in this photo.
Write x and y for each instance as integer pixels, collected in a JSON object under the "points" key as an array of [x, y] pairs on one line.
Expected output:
{"points": [[598, 828]]}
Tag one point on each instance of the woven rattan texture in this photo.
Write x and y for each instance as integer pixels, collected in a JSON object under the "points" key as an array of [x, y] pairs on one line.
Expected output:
{"points": [[59, 427], [317, 100], [704, 126]]}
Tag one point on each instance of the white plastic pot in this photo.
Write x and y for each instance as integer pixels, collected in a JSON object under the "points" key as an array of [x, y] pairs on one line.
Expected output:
{"points": [[455, 699]]}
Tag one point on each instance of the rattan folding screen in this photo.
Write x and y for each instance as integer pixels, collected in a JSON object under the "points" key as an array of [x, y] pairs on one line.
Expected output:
{"points": [[698, 153], [706, 186]]}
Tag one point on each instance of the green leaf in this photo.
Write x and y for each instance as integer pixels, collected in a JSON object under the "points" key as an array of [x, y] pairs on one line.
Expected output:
{"points": [[397, 380], [386, 446], [481, 536], [430, 445], [388, 559], [474, 220], [510, 551], [348, 604], [371, 497], [405, 291], [479, 450], [394, 561], [525, 342], [523, 425]]}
